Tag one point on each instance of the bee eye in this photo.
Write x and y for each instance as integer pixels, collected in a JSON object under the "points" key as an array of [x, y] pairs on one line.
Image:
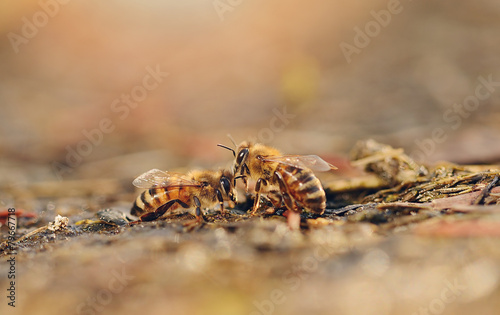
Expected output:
{"points": [[226, 185], [241, 156]]}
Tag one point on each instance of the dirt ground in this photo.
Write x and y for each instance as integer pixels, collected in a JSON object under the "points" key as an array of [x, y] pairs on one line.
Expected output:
{"points": [[94, 94]]}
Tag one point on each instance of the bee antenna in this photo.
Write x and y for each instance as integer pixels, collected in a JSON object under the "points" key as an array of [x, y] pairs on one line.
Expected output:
{"points": [[228, 148], [232, 140]]}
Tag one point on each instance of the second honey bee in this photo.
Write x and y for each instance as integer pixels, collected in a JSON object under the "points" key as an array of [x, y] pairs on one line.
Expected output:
{"points": [[291, 175], [166, 191]]}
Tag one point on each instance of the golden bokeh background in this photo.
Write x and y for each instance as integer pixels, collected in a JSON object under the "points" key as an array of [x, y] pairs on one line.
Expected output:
{"points": [[94, 93], [232, 64]]}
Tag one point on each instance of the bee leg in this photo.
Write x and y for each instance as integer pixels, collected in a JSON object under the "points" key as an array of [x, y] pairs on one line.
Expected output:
{"points": [[258, 186], [247, 170], [292, 214], [221, 200], [198, 214], [245, 182], [151, 216], [200, 219], [276, 199], [244, 168], [290, 205]]}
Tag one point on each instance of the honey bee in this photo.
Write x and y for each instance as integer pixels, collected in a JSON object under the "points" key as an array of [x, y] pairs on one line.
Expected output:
{"points": [[290, 175], [167, 191]]}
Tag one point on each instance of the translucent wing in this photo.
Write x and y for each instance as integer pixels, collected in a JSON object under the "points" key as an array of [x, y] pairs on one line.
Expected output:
{"points": [[312, 162], [156, 178]]}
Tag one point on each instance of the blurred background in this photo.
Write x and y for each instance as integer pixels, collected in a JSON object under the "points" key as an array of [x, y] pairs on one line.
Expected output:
{"points": [[94, 93], [160, 83]]}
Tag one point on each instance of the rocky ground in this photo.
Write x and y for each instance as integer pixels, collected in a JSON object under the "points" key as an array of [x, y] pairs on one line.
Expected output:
{"points": [[399, 238]]}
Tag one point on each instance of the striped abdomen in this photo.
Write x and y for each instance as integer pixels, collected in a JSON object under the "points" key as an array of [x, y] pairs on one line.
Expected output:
{"points": [[152, 199], [304, 187]]}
